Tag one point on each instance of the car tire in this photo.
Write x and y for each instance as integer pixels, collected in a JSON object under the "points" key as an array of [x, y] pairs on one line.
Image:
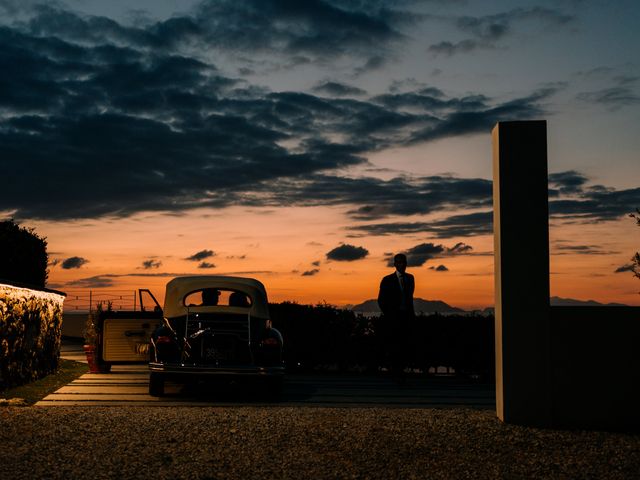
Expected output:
{"points": [[156, 385]]}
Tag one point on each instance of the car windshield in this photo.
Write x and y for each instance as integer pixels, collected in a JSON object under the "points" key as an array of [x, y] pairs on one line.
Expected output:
{"points": [[220, 297]]}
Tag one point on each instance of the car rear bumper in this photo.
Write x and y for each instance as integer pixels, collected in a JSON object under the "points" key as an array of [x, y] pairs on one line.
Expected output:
{"points": [[205, 370]]}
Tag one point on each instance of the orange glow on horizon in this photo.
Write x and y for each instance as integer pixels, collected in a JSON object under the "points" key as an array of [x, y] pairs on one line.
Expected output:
{"points": [[277, 247]]}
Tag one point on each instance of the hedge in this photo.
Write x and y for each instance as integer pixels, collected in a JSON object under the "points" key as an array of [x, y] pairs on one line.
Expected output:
{"points": [[30, 330], [324, 337]]}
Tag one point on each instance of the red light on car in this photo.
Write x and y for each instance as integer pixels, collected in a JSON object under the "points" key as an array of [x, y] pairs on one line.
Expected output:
{"points": [[270, 342], [164, 339]]}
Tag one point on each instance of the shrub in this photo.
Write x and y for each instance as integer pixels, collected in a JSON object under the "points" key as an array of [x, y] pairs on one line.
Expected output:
{"points": [[30, 329], [24, 255], [323, 337]]}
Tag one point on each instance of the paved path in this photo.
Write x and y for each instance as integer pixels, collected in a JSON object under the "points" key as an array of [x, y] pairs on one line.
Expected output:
{"points": [[128, 385]]}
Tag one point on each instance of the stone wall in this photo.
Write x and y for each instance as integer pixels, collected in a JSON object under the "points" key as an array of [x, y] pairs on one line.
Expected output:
{"points": [[30, 331]]}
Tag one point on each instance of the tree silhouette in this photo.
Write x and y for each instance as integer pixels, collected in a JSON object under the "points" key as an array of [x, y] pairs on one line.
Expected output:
{"points": [[23, 254]]}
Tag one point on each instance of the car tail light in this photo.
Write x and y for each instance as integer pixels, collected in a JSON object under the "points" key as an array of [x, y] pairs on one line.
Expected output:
{"points": [[270, 342], [164, 339]]}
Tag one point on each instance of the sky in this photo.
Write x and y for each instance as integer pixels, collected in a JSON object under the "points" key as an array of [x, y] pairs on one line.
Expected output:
{"points": [[304, 143]]}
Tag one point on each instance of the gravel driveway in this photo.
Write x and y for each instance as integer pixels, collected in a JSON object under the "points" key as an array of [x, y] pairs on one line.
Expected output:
{"points": [[298, 442]]}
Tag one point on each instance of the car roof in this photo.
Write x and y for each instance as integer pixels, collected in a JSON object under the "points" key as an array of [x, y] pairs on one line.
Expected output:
{"points": [[179, 287]]}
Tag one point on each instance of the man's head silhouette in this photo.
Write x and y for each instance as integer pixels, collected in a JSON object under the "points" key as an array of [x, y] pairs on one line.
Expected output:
{"points": [[400, 262], [210, 296]]}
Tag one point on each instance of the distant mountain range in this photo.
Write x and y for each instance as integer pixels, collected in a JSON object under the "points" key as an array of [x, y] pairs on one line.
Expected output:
{"points": [[421, 305], [570, 302]]}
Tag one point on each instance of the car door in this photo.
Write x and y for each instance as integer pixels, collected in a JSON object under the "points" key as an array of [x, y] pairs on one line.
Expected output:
{"points": [[125, 334]]}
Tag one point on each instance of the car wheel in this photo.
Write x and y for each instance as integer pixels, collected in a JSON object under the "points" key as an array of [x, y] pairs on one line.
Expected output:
{"points": [[156, 385]]}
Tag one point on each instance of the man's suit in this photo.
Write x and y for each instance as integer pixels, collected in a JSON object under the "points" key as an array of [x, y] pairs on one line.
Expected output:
{"points": [[396, 302]]}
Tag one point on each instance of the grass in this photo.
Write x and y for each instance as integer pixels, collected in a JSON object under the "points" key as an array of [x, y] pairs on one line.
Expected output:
{"points": [[28, 394]]}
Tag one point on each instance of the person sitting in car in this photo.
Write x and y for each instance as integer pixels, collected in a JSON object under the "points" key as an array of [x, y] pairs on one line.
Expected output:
{"points": [[238, 299], [210, 297]]}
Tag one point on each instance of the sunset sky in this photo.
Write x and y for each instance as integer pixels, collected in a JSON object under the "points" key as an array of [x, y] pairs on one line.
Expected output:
{"points": [[304, 142]]}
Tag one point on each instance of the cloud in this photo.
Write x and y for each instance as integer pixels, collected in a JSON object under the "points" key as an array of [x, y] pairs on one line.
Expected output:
{"points": [[561, 248], [99, 281], [316, 263], [201, 255], [167, 131], [206, 265], [595, 204], [568, 182], [323, 29], [487, 31], [74, 262], [466, 225], [337, 89], [439, 268], [422, 253], [629, 267], [151, 263], [107, 280], [614, 98], [310, 273], [463, 46], [347, 253], [459, 248], [375, 198]]}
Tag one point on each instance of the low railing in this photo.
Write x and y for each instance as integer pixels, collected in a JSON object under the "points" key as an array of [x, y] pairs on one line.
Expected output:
{"points": [[84, 301]]}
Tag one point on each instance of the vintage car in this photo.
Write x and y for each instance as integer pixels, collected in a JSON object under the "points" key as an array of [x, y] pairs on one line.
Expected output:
{"points": [[215, 326]]}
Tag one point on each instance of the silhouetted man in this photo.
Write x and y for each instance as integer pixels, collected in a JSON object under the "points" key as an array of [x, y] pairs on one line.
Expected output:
{"points": [[396, 302]]}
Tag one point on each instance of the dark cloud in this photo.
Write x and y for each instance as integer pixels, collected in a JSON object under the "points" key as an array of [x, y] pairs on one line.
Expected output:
{"points": [[99, 281], [165, 131], [597, 204], [561, 248], [568, 182], [74, 262], [613, 98], [201, 255], [467, 225], [347, 253], [316, 263], [206, 265], [310, 273], [375, 198], [420, 254], [463, 46], [459, 248], [629, 267], [162, 130], [439, 268], [151, 263], [337, 89], [107, 279], [487, 31], [570, 199], [319, 28]]}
